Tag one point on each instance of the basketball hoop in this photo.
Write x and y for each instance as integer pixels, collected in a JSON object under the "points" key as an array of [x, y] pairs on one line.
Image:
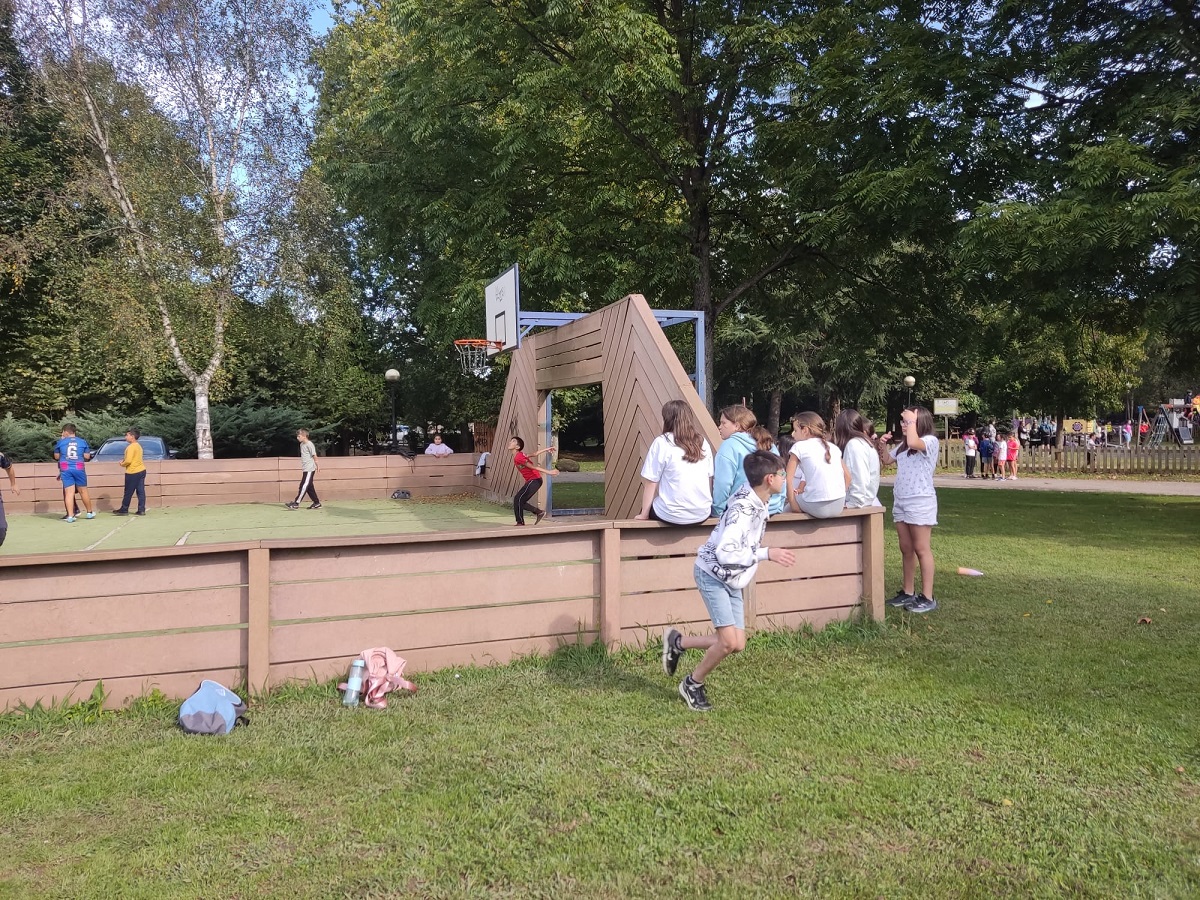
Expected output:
{"points": [[473, 355]]}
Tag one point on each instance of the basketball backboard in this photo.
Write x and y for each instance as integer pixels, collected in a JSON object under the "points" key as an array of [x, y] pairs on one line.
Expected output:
{"points": [[503, 307]]}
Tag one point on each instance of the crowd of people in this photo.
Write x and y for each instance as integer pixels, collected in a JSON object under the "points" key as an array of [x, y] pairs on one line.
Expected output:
{"points": [[745, 481]]}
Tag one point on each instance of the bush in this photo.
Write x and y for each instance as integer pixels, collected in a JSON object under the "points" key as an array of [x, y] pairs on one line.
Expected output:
{"points": [[566, 465], [22, 440]]}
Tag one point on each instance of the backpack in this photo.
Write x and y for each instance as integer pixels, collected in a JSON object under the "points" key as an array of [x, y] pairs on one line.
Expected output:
{"points": [[401, 494], [213, 709]]}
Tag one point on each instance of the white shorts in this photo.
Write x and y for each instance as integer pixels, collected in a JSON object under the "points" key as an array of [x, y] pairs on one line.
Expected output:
{"points": [[915, 510]]}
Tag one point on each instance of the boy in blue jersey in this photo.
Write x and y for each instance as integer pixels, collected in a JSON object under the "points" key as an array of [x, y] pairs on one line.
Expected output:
{"points": [[72, 452], [7, 466]]}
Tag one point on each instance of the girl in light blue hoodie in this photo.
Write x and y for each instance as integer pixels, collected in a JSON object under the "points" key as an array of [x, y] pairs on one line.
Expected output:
{"points": [[735, 425]]}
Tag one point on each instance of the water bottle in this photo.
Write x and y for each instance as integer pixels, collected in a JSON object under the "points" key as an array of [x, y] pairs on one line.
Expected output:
{"points": [[354, 684]]}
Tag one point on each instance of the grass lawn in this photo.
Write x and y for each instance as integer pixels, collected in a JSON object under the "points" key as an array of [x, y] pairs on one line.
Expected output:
{"points": [[1028, 739]]}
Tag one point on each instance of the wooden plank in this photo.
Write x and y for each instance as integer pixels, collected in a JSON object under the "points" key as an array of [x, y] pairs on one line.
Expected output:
{"points": [[258, 618], [155, 573], [130, 657], [503, 557], [814, 618], [120, 691], [292, 643], [815, 593], [872, 562], [655, 609], [816, 562], [413, 592], [672, 573], [641, 635], [610, 576], [121, 613]]}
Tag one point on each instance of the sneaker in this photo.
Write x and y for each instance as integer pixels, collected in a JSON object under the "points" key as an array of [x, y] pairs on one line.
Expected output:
{"points": [[538, 516], [292, 505], [90, 515], [120, 512], [140, 512], [68, 518], [314, 506], [921, 604], [671, 650], [693, 695], [999, 477], [902, 598]]}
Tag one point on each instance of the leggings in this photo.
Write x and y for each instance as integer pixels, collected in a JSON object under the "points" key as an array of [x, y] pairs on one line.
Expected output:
{"points": [[306, 487], [521, 504], [970, 466]]}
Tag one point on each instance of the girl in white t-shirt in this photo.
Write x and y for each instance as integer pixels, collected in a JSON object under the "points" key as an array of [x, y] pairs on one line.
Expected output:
{"points": [[816, 478], [860, 458], [678, 471]]}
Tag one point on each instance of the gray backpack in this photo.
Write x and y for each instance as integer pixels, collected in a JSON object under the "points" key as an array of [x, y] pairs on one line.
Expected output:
{"points": [[213, 709]]}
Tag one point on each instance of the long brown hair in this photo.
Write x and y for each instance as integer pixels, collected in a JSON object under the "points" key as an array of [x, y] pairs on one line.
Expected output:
{"points": [[816, 427], [762, 438], [924, 426], [681, 423], [850, 425], [741, 416]]}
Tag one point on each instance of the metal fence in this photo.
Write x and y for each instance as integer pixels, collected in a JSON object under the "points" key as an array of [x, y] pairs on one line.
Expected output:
{"points": [[1104, 460]]}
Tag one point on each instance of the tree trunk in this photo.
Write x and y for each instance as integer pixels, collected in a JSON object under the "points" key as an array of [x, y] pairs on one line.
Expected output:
{"points": [[835, 403], [773, 410], [702, 298], [204, 444]]}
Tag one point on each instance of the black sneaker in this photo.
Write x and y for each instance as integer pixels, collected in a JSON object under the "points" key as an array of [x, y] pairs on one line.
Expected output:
{"points": [[120, 512], [314, 506], [693, 695], [538, 516], [140, 512], [671, 650], [921, 604], [902, 598], [292, 505]]}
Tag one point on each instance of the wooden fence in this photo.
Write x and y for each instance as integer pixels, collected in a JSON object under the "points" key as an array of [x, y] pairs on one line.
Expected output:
{"points": [[191, 482], [1111, 460], [264, 612]]}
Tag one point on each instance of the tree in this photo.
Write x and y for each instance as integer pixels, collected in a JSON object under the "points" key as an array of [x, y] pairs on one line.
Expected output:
{"points": [[190, 107], [694, 151]]}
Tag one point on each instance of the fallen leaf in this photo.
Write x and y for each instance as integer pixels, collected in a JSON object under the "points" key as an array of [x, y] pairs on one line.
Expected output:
{"points": [[1145, 620], [1179, 769], [1006, 802], [1160, 609], [1048, 602], [1027, 615]]}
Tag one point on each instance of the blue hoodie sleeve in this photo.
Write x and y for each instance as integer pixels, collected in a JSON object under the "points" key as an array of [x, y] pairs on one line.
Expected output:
{"points": [[725, 473]]}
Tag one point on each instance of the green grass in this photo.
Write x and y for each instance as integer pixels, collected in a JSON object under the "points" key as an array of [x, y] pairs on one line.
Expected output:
{"points": [[1029, 739]]}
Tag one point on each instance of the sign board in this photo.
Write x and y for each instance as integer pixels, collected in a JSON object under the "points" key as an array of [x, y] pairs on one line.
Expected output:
{"points": [[945, 406]]}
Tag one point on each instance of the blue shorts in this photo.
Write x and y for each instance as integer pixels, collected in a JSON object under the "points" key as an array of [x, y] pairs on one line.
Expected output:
{"points": [[77, 477], [724, 603]]}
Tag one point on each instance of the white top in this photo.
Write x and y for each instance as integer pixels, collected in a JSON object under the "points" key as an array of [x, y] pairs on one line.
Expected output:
{"points": [[863, 462], [970, 445], [684, 489], [914, 472], [1001, 451], [438, 450], [822, 480]]}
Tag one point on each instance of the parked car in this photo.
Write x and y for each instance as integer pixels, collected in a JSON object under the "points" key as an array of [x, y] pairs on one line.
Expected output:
{"points": [[113, 449]]}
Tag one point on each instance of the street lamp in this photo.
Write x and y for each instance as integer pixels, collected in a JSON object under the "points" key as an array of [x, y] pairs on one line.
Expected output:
{"points": [[909, 381], [393, 380]]}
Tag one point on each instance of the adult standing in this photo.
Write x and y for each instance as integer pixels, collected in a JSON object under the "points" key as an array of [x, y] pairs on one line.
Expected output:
{"points": [[7, 466], [308, 472], [135, 474]]}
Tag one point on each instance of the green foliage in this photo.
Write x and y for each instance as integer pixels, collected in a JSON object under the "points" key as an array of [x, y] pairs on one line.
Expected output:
{"points": [[22, 440]]}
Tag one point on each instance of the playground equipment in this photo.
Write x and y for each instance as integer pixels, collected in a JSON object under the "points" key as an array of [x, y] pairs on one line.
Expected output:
{"points": [[1171, 420]]}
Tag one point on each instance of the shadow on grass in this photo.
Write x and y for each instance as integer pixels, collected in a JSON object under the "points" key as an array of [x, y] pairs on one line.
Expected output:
{"points": [[589, 665]]}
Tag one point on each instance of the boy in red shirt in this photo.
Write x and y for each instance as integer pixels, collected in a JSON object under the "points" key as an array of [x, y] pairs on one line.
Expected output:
{"points": [[533, 481]]}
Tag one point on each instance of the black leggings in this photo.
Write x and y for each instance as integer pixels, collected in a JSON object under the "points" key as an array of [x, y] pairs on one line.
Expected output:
{"points": [[970, 466], [521, 504]]}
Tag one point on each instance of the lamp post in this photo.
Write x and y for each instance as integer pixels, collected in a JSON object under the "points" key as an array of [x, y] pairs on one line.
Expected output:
{"points": [[909, 381], [1129, 408], [393, 380]]}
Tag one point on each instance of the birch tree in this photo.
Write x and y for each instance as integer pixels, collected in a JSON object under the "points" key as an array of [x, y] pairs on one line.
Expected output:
{"points": [[192, 198]]}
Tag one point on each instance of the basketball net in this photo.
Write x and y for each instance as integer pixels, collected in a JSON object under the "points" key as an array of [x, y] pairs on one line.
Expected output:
{"points": [[473, 355]]}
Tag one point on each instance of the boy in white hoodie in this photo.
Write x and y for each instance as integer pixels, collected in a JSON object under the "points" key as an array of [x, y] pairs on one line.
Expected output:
{"points": [[724, 565]]}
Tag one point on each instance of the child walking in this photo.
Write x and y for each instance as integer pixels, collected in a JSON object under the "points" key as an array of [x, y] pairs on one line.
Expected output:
{"points": [[308, 472], [915, 508], [135, 474], [533, 481], [817, 478], [725, 564]]}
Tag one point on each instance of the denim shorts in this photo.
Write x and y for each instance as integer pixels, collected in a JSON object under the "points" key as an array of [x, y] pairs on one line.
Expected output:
{"points": [[724, 603]]}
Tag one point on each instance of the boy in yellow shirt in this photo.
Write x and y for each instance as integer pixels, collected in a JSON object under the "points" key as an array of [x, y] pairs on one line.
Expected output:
{"points": [[135, 474]]}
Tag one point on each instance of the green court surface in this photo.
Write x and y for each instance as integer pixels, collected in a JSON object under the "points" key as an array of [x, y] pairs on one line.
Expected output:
{"points": [[165, 527]]}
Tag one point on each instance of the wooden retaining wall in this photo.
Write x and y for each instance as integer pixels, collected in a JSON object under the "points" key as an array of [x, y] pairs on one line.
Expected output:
{"points": [[191, 482], [265, 612]]}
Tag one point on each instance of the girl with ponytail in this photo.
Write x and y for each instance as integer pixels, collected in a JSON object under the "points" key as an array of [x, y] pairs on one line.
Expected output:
{"points": [[816, 477]]}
